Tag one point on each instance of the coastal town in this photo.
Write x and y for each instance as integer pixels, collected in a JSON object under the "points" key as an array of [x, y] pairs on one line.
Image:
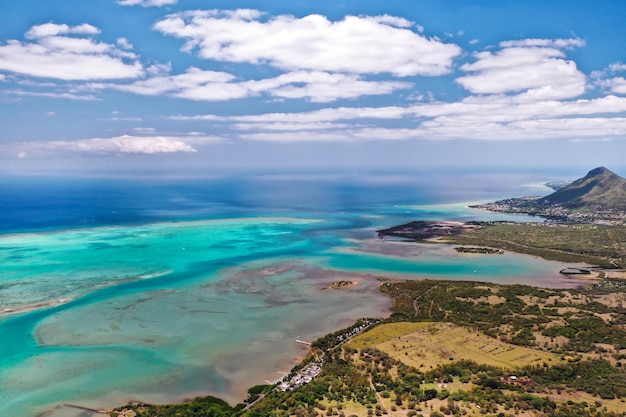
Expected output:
{"points": [[304, 376], [311, 370]]}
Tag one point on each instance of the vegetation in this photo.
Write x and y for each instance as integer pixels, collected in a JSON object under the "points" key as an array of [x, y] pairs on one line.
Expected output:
{"points": [[600, 189], [599, 197], [466, 348], [591, 243], [457, 348], [485, 251]]}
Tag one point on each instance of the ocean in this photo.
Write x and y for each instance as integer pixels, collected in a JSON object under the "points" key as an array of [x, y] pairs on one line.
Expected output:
{"points": [[160, 289]]}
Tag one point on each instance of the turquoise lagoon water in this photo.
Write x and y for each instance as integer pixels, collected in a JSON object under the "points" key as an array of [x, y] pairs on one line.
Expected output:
{"points": [[162, 293]]}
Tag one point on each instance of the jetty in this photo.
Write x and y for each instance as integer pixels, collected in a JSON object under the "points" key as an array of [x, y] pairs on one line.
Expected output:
{"points": [[91, 410]]}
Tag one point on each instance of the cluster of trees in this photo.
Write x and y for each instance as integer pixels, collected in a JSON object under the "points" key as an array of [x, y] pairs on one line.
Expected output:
{"points": [[595, 376], [463, 303], [332, 340], [200, 407]]}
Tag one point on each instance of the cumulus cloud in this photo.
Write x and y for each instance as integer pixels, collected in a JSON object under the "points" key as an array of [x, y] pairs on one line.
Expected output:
{"points": [[53, 29], [125, 144], [533, 68], [124, 43], [617, 66], [119, 145], [526, 90], [316, 86], [615, 85], [356, 44], [67, 53], [146, 3]]}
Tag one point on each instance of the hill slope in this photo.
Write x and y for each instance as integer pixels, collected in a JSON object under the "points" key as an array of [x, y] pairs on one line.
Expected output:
{"points": [[600, 189]]}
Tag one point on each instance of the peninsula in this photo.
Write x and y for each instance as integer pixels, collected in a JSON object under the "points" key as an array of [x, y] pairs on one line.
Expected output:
{"points": [[599, 197], [584, 222]]}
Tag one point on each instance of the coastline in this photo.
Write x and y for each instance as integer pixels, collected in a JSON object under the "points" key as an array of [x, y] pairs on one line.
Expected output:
{"points": [[274, 283]]}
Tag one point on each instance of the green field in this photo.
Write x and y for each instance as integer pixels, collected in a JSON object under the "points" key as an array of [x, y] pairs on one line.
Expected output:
{"points": [[595, 244], [431, 344]]}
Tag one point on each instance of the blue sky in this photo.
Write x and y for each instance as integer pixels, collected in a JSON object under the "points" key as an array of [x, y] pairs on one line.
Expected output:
{"points": [[202, 86]]}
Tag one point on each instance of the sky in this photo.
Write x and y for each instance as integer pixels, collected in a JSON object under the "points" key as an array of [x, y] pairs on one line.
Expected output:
{"points": [[182, 86]]}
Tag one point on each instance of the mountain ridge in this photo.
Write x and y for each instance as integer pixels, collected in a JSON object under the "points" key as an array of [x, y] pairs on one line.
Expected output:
{"points": [[598, 197], [600, 189]]}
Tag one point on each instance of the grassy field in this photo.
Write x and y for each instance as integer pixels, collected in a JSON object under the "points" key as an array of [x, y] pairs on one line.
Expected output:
{"points": [[426, 345], [598, 245]]}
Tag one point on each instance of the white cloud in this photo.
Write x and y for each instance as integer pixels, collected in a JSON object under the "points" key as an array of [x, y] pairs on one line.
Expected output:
{"points": [[618, 66], [144, 129], [398, 22], [616, 85], [115, 146], [290, 126], [52, 55], [316, 86], [316, 116], [322, 86], [125, 144], [356, 44], [583, 128], [50, 94], [544, 43], [146, 3], [124, 43], [533, 68], [301, 136], [494, 117], [176, 85], [53, 29], [159, 69]]}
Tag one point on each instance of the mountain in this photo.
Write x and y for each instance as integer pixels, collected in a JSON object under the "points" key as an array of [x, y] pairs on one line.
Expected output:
{"points": [[600, 189]]}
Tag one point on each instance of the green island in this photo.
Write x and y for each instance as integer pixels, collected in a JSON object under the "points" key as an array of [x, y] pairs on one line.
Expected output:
{"points": [[454, 348], [481, 250]]}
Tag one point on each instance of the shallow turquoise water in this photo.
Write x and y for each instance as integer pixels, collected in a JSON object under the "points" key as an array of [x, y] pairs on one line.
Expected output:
{"points": [[156, 312], [136, 308]]}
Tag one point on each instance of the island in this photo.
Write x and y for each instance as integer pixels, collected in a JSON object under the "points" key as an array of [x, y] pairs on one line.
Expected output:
{"points": [[342, 284], [480, 250]]}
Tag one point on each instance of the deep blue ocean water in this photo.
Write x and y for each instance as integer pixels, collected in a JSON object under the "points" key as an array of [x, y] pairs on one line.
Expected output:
{"points": [[158, 289]]}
